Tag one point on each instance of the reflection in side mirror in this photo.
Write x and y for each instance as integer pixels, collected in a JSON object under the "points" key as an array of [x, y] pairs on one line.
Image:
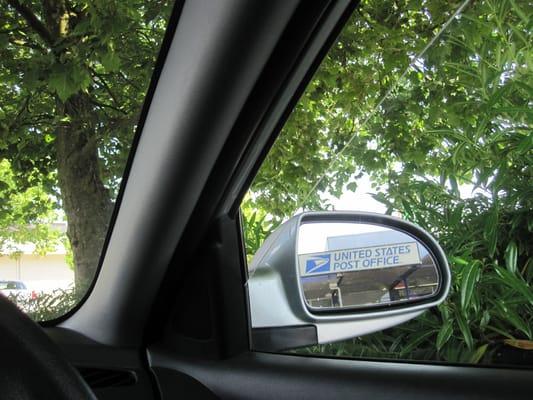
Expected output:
{"points": [[327, 276], [347, 265]]}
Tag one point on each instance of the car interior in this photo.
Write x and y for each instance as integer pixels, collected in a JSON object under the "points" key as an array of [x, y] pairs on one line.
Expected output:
{"points": [[168, 315]]}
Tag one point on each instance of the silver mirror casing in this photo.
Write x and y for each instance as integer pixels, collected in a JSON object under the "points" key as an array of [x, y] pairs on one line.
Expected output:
{"points": [[280, 317]]}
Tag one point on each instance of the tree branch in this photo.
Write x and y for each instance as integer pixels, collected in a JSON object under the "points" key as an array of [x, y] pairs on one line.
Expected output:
{"points": [[101, 104], [28, 45], [32, 20], [130, 81], [104, 85], [21, 29]]}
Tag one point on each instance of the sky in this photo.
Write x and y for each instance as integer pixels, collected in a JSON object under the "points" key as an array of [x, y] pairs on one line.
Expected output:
{"points": [[361, 199]]}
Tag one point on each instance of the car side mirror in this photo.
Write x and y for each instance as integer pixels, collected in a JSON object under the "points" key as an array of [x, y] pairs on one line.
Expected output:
{"points": [[328, 276]]}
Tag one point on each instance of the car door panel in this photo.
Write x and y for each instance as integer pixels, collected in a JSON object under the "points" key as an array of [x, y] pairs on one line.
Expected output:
{"points": [[282, 376]]}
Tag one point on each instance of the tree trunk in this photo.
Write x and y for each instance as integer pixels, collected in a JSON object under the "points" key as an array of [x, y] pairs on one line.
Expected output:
{"points": [[85, 199]]}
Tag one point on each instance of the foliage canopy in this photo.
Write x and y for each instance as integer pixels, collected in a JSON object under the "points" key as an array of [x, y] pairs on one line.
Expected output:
{"points": [[73, 76], [423, 125]]}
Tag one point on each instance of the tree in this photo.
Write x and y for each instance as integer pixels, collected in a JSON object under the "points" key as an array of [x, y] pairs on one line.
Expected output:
{"points": [[422, 124], [73, 75]]}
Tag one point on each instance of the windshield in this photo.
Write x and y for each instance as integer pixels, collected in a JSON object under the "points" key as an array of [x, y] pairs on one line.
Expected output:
{"points": [[73, 78]]}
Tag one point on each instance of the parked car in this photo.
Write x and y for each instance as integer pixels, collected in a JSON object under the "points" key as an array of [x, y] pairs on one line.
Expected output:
{"points": [[14, 288], [18, 292]]}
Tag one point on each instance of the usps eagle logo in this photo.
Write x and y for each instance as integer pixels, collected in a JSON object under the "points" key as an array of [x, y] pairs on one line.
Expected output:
{"points": [[316, 264]]}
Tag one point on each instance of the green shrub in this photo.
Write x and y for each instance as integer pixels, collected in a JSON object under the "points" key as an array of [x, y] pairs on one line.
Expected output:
{"points": [[47, 306]]}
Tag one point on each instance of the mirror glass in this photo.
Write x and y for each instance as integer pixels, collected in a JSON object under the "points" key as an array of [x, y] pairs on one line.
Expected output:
{"points": [[350, 265]]}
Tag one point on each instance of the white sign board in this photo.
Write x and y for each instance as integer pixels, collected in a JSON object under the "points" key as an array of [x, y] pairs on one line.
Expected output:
{"points": [[360, 259]]}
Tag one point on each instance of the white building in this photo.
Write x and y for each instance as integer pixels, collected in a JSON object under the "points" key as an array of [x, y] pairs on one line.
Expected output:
{"points": [[41, 273]]}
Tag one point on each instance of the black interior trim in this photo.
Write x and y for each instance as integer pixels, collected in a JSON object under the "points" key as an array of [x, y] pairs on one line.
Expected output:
{"points": [[284, 338], [280, 376], [208, 314], [98, 378], [112, 372], [211, 232]]}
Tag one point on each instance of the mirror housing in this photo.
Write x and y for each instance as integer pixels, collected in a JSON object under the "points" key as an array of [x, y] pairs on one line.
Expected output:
{"points": [[282, 318]]}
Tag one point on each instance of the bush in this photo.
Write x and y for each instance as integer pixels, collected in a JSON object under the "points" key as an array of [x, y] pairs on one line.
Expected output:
{"points": [[47, 306]]}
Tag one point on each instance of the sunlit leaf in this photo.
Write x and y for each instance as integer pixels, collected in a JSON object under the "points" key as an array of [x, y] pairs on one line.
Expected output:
{"points": [[465, 330], [478, 354], [470, 278], [511, 256], [520, 344], [444, 334]]}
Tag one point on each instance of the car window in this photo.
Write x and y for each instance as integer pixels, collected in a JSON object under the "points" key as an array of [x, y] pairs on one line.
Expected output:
{"points": [[73, 78], [422, 109]]}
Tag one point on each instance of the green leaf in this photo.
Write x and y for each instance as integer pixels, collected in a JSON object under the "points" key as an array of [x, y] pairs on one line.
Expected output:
{"points": [[516, 283], [32, 77], [527, 271], [60, 81], [454, 185], [80, 77], [525, 144], [491, 231], [415, 340], [499, 331], [352, 186], [511, 316], [478, 354], [445, 333], [465, 330], [485, 319], [519, 12], [111, 61], [407, 207], [510, 256], [458, 260], [469, 279]]}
